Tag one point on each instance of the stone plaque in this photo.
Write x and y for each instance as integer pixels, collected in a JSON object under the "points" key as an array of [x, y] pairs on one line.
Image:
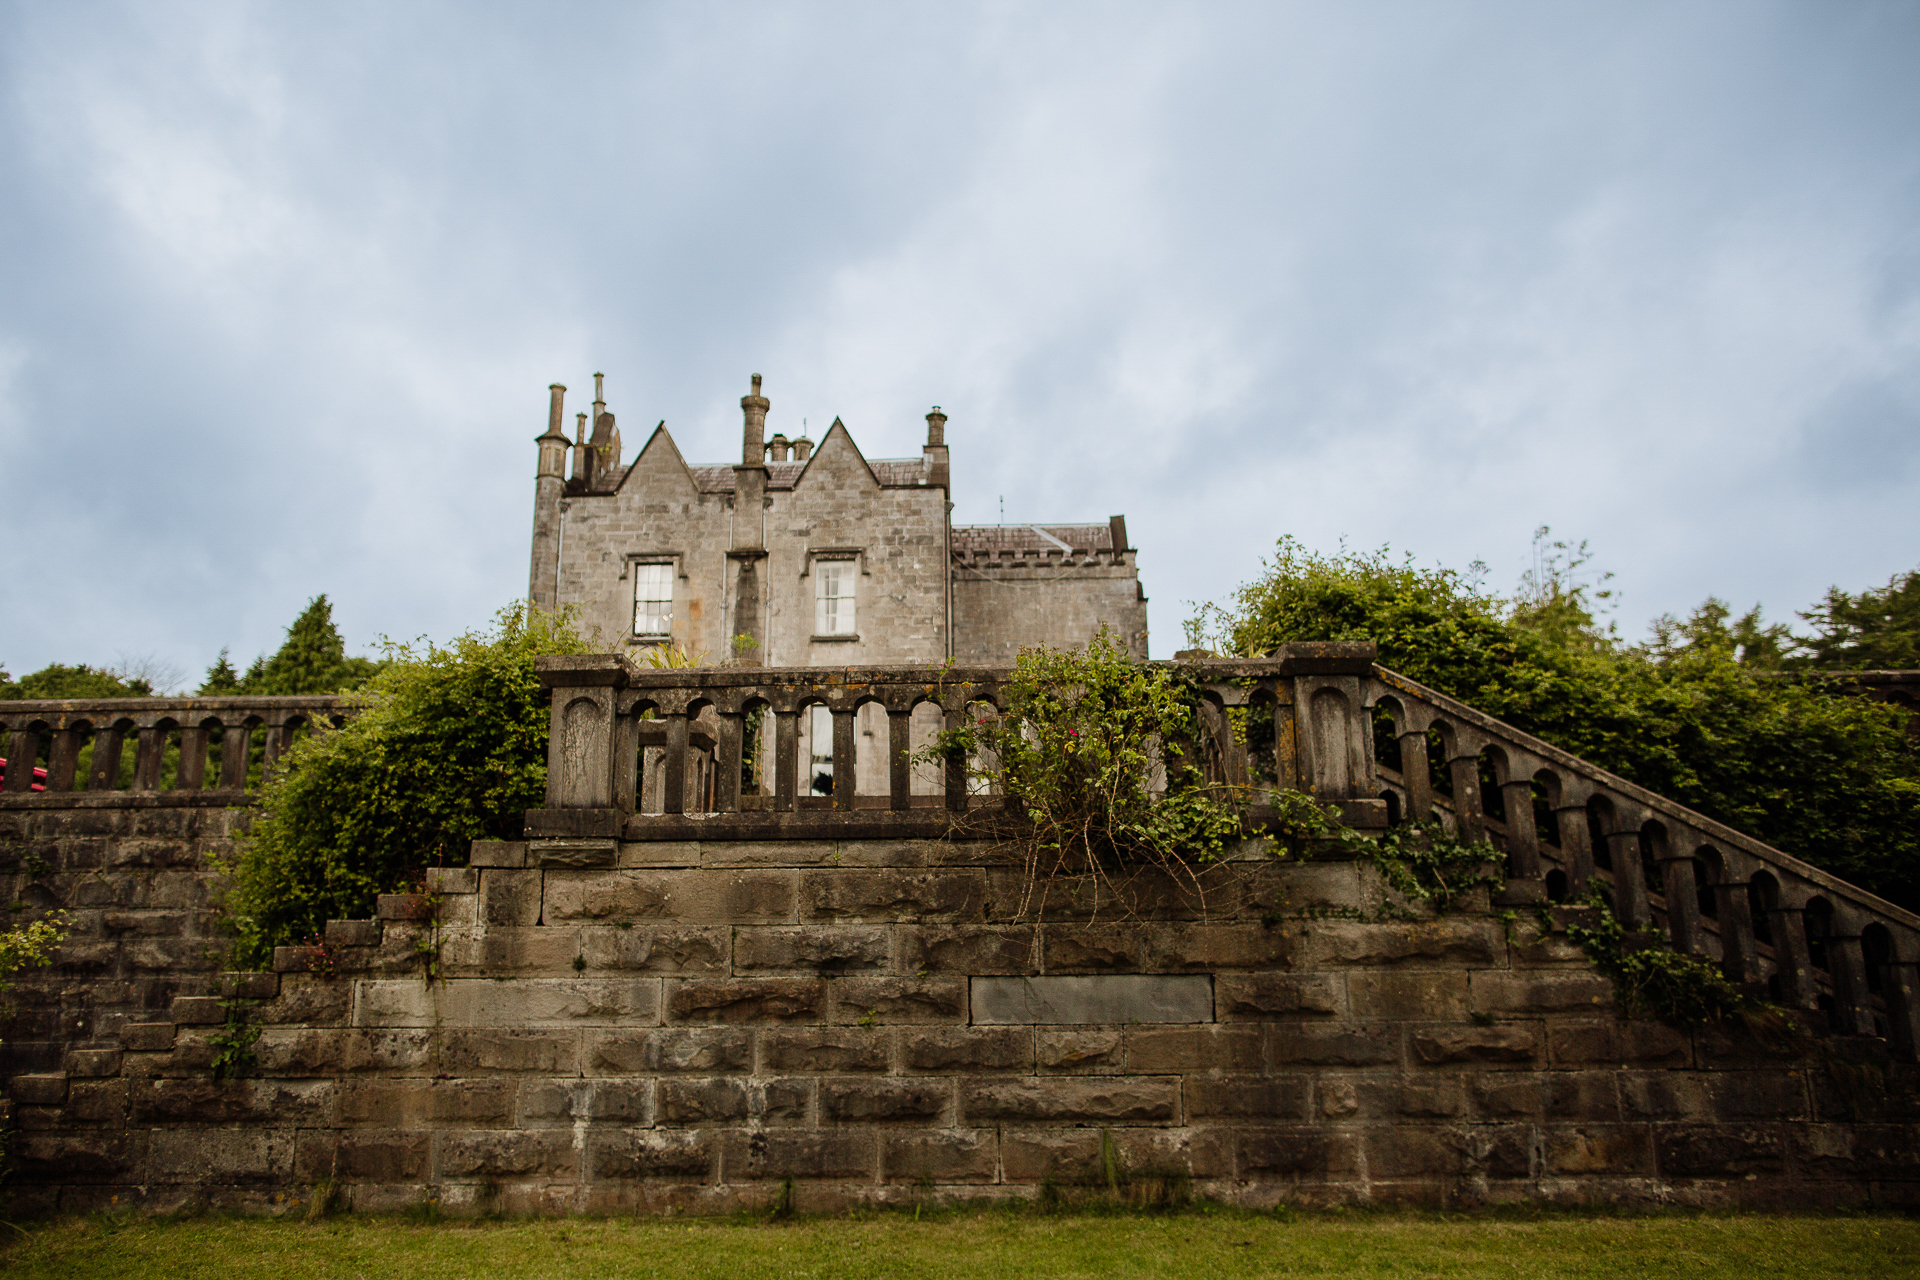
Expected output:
{"points": [[1096, 998]]}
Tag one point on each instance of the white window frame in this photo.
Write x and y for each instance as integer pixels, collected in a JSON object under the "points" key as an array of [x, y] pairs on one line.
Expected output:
{"points": [[835, 597], [660, 575]]}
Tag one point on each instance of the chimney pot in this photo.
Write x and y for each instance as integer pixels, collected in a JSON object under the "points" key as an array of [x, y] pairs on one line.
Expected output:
{"points": [[778, 446], [802, 449], [936, 428], [753, 449]]}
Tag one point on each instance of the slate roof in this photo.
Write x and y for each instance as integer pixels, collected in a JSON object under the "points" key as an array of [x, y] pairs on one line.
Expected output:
{"points": [[717, 477], [992, 539]]}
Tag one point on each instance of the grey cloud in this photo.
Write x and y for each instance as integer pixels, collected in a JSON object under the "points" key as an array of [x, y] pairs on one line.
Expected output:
{"points": [[283, 287]]}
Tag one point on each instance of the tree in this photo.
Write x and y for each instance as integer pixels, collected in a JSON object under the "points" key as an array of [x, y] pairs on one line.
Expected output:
{"points": [[57, 681], [313, 658], [221, 678], [1879, 629]]}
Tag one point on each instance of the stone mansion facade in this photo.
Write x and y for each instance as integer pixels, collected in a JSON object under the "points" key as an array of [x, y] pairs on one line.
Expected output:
{"points": [[805, 556]]}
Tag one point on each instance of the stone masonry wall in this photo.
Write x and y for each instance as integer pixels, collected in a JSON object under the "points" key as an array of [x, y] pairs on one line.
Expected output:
{"points": [[135, 876], [998, 610], [643, 1027]]}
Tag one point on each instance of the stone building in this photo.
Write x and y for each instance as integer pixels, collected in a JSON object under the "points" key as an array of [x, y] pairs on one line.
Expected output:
{"points": [[809, 556]]}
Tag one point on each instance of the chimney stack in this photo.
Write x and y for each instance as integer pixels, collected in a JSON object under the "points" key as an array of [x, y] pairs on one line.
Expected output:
{"points": [[936, 428], [754, 451], [778, 446], [802, 449]]}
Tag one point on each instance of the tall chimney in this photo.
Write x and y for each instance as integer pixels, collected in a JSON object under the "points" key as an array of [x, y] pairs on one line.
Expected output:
{"points": [[753, 452], [936, 428], [543, 581]]}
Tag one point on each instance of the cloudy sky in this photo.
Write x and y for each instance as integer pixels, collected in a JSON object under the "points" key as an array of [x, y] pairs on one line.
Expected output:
{"points": [[282, 286]]}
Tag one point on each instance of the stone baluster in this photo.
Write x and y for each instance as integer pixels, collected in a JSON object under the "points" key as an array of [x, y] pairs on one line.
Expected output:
{"points": [[786, 758], [1525, 883], [956, 764], [1739, 951], [673, 791], [1791, 965], [1463, 769], [1416, 775], [1847, 965], [728, 744], [899, 759], [1902, 994], [193, 759], [1523, 836], [236, 744], [104, 773], [1683, 900], [149, 755], [1286, 747], [846, 781], [23, 753], [1629, 883], [63, 759], [1570, 816]]}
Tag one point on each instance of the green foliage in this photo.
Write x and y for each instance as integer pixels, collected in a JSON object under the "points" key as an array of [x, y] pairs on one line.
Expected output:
{"points": [[452, 747], [1701, 714], [1878, 629], [57, 681], [1653, 980], [1426, 863], [1076, 751], [29, 944]]}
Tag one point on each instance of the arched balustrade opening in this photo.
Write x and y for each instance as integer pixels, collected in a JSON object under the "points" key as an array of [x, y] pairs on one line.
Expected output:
{"points": [[1763, 898], [1599, 827], [1439, 748], [1386, 736], [1546, 813], [1818, 921]]}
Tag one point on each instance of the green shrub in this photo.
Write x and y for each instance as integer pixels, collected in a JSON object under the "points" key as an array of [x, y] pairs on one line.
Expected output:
{"points": [[1076, 752], [451, 747]]}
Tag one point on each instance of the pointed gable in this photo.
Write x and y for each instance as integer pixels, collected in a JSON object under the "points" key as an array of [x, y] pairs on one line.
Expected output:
{"points": [[660, 470], [838, 462]]}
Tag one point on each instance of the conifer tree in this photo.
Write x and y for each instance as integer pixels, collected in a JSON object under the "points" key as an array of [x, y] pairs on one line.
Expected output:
{"points": [[221, 678]]}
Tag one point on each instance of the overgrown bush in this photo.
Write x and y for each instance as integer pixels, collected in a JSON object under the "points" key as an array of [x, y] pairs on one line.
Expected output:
{"points": [[1704, 712], [1087, 735], [451, 747]]}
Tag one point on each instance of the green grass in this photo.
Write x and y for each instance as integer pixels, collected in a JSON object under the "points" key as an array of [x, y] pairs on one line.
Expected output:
{"points": [[1209, 1246]]}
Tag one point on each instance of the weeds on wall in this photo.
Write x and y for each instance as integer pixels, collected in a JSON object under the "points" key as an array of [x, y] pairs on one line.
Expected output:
{"points": [[29, 945], [233, 1043], [1651, 979]]}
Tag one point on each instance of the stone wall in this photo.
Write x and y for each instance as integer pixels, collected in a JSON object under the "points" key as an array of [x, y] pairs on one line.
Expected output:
{"points": [[651, 1026], [1000, 609]]}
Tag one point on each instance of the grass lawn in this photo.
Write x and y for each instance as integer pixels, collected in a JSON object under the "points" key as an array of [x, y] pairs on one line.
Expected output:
{"points": [[1206, 1245]]}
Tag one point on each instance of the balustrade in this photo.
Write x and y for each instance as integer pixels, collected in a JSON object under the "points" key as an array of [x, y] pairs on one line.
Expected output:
{"points": [[80, 746], [1709, 889]]}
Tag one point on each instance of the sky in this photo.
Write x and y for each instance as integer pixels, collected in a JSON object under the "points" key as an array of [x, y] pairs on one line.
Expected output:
{"points": [[282, 287]]}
